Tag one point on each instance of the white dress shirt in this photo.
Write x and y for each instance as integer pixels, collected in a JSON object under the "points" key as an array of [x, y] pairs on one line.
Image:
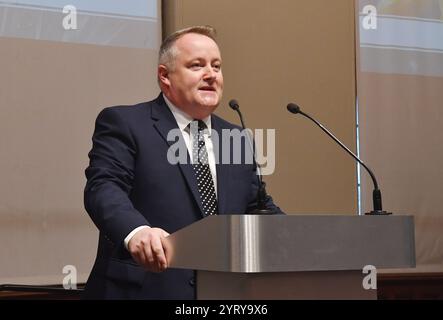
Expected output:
{"points": [[183, 121]]}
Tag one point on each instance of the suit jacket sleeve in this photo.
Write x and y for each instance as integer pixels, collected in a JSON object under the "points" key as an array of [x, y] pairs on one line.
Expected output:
{"points": [[110, 177]]}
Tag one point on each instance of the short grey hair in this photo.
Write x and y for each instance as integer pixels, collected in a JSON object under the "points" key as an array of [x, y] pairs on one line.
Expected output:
{"points": [[168, 51]]}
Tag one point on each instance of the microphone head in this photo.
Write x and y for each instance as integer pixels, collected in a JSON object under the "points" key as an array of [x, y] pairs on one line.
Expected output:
{"points": [[293, 108], [234, 104]]}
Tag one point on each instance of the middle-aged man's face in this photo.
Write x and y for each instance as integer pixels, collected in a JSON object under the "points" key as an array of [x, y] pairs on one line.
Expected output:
{"points": [[195, 83]]}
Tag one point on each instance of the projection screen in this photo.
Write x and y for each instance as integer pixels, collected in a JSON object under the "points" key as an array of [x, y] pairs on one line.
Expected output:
{"points": [[61, 63], [400, 82]]}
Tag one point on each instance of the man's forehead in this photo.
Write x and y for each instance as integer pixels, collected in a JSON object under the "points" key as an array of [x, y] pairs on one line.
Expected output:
{"points": [[192, 42]]}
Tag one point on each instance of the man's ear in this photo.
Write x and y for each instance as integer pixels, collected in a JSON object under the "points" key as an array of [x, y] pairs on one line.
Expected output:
{"points": [[163, 75]]}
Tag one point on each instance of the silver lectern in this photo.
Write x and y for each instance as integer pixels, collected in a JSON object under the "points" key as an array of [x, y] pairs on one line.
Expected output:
{"points": [[291, 256]]}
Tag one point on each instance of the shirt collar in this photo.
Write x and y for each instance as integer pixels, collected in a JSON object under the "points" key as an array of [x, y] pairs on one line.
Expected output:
{"points": [[183, 119]]}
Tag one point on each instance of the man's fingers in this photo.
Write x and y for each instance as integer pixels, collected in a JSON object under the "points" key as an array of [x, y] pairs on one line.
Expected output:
{"points": [[147, 249], [157, 250], [141, 255], [148, 254], [167, 250], [137, 253]]}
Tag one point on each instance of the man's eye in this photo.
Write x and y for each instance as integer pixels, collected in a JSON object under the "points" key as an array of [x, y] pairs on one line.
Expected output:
{"points": [[195, 65], [217, 67]]}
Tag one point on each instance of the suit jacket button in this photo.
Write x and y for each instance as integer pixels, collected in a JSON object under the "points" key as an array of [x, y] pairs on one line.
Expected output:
{"points": [[192, 282]]}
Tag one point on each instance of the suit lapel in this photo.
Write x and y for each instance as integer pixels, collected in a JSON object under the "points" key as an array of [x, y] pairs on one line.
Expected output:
{"points": [[221, 169], [164, 123]]}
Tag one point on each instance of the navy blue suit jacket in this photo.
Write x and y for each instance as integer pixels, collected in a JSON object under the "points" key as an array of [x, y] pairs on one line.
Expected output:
{"points": [[131, 183]]}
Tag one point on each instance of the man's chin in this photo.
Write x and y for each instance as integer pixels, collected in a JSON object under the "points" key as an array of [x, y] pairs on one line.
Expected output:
{"points": [[209, 100], [204, 109], [209, 103]]}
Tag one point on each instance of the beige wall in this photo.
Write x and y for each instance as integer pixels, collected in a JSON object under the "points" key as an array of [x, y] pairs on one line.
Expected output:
{"points": [[283, 51]]}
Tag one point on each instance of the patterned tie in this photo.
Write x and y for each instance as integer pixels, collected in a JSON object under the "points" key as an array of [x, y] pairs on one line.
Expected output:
{"points": [[202, 171]]}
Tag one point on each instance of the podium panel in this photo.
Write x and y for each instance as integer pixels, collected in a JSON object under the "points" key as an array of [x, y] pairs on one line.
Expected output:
{"points": [[309, 285], [290, 256]]}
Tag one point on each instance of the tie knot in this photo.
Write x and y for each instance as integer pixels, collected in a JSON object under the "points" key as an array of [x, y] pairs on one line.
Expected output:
{"points": [[201, 125], [196, 126]]}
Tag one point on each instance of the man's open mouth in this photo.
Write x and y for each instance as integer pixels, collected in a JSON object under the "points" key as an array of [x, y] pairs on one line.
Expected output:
{"points": [[207, 88]]}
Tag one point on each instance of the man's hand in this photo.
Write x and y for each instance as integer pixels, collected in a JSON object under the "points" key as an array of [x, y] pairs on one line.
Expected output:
{"points": [[147, 249]]}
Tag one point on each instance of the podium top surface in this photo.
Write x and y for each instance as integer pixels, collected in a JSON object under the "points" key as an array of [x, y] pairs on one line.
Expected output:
{"points": [[287, 243]]}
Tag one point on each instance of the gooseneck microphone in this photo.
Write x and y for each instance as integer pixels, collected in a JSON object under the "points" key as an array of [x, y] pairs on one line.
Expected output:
{"points": [[376, 193], [261, 192]]}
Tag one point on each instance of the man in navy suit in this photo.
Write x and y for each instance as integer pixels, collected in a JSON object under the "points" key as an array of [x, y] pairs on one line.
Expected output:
{"points": [[136, 197]]}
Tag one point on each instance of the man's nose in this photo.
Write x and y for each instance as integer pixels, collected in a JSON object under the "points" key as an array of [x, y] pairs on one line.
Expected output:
{"points": [[210, 73]]}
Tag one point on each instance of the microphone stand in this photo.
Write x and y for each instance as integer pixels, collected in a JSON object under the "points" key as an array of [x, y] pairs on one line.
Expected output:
{"points": [[376, 193], [261, 208]]}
